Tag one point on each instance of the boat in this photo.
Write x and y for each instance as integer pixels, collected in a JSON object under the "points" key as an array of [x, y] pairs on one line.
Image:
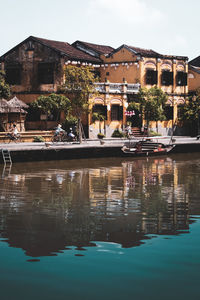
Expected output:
{"points": [[146, 148]]}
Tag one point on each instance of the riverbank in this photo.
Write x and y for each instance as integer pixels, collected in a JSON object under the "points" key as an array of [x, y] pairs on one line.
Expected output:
{"points": [[88, 149]]}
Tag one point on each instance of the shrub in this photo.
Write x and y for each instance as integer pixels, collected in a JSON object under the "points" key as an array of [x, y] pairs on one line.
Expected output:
{"points": [[38, 138], [117, 133], [153, 133], [70, 121]]}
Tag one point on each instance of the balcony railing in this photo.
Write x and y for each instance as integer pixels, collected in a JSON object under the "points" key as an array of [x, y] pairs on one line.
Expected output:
{"points": [[117, 88], [100, 87], [133, 88]]}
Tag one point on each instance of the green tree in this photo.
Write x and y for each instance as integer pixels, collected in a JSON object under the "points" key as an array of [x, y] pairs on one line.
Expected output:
{"points": [[79, 84], [151, 103], [52, 103], [4, 87], [190, 112]]}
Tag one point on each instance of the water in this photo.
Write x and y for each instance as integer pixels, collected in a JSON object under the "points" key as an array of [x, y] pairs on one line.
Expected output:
{"points": [[101, 229]]}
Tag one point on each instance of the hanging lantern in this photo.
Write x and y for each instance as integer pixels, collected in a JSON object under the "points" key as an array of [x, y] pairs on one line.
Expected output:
{"points": [[129, 113]]}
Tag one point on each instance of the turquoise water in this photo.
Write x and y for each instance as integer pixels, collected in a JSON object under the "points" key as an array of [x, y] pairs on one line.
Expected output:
{"points": [[148, 244], [161, 268]]}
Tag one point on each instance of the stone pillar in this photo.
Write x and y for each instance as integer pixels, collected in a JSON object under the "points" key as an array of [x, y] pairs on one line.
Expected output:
{"points": [[186, 70], [107, 101], [175, 111], [141, 72], [174, 76], [125, 105], [159, 72], [90, 113]]}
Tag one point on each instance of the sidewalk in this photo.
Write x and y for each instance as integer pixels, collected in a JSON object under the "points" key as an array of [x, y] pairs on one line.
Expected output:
{"points": [[110, 142], [30, 152]]}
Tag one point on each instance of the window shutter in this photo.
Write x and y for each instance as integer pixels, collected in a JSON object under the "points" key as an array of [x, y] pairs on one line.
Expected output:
{"points": [[171, 78], [155, 77], [151, 77], [121, 113], [185, 79], [46, 73], [13, 74], [105, 111], [167, 78], [181, 78]]}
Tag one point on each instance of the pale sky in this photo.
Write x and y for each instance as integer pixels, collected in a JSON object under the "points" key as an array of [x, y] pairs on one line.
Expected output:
{"points": [[166, 26]]}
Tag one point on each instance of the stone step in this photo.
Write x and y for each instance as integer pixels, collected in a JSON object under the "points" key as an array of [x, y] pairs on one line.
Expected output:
{"points": [[136, 131], [28, 136]]}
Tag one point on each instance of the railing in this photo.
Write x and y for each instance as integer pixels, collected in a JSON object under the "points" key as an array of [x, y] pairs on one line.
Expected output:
{"points": [[132, 88], [100, 87], [117, 88]]}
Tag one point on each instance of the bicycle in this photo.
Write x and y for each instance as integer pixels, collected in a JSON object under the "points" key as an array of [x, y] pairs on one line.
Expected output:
{"points": [[9, 138], [63, 137]]}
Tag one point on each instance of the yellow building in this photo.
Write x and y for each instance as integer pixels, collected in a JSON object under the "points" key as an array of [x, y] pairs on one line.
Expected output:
{"points": [[36, 66], [127, 68]]}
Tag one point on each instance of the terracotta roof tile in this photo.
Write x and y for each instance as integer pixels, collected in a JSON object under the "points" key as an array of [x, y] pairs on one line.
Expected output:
{"points": [[195, 62], [194, 68], [101, 49], [147, 53], [144, 52], [68, 50]]}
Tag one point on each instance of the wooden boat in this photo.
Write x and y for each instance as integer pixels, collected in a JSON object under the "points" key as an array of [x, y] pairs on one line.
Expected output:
{"points": [[146, 148]]}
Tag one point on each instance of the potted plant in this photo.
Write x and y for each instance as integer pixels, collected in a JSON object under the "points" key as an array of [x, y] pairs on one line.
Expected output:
{"points": [[100, 135]]}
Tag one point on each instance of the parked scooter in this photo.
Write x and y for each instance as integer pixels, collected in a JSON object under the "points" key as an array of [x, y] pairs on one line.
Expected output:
{"points": [[71, 136]]}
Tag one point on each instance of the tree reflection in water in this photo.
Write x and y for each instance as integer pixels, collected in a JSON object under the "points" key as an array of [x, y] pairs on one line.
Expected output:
{"points": [[50, 207]]}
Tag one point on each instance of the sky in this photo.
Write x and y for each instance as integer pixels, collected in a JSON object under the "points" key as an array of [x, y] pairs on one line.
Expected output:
{"points": [[166, 26]]}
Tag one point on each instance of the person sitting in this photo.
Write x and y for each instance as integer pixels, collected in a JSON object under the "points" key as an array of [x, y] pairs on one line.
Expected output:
{"points": [[159, 148], [14, 133], [138, 147]]}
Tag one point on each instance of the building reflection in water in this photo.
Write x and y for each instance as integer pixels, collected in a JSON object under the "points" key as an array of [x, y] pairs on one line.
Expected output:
{"points": [[46, 210]]}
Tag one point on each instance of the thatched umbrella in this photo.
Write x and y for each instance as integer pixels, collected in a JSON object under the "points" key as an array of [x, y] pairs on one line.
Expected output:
{"points": [[16, 103], [4, 106], [4, 110], [17, 106]]}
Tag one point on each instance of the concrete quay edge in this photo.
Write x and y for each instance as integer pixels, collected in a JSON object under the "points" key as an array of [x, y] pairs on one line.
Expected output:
{"points": [[23, 152]]}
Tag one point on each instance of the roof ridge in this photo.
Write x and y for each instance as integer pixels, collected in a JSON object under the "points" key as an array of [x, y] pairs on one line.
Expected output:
{"points": [[141, 48], [94, 44], [50, 40]]}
